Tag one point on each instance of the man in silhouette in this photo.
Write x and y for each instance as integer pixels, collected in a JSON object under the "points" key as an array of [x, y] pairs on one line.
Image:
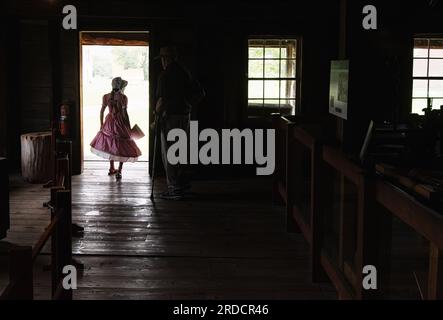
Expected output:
{"points": [[177, 92]]}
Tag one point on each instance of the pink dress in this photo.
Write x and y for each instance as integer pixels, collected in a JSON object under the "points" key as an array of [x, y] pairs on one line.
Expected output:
{"points": [[113, 141]]}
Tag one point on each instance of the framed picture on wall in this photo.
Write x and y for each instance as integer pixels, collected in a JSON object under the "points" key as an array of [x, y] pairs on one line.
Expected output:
{"points": [[338, 90]]}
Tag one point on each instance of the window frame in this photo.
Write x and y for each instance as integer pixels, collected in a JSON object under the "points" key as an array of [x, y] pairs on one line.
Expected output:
{"points": [[261, 110], [428, 78]]}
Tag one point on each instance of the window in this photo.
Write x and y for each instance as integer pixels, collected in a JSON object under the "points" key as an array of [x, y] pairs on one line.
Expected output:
{"points": [[272, 76], [427, 74]]}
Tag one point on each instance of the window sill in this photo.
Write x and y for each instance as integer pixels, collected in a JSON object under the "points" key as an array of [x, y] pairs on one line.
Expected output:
{"points": [[257, 111]]}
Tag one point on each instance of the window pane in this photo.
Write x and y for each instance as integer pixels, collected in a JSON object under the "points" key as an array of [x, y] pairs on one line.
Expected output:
{"points": [[436, 67], [271, 68], [256, 52], [271, 59], [418, 105], [287, 89], [271, 89], [272, 52], [288, 68], [420, 88], [436, 88], [437, 103], [284, 52], [421, 48], [420, 53], [255, 69], [255, 89], [420, 67], [436, 49]]}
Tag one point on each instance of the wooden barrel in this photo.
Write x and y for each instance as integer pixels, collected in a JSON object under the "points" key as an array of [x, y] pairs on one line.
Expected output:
{"points": [[36, 157]]}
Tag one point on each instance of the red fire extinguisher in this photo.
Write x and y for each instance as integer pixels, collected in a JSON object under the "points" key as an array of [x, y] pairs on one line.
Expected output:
{"points": [[64, 120]]}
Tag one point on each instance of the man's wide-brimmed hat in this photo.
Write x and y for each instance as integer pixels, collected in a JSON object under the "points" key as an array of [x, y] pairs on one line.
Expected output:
{"points": [[167, 51], [119, 83]]}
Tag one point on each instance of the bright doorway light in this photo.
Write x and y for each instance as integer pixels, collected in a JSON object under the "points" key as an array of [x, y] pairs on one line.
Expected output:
{"points": [[100, 64]]}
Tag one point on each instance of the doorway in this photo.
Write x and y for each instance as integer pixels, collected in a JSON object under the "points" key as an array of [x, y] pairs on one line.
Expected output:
{"points": [[104, 56]]}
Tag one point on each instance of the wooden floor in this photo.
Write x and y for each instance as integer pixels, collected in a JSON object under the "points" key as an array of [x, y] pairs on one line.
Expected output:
{"points": [[225, 241]]}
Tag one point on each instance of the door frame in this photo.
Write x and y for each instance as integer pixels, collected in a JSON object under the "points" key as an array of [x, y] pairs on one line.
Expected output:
{"points": [[80, 72]]}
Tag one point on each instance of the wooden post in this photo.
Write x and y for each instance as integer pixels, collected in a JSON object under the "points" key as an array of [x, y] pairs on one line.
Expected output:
{"points": [[318, 191], [293, 158], [63, 250], [4, 198], [54, 135], [384, 247], [367, 237], [435, 277], [278, 146], [54, 240], [64, 151]]}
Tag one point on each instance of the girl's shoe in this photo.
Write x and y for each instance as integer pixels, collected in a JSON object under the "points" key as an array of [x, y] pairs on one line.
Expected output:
{"points": [[112, 172], [118, 175]]}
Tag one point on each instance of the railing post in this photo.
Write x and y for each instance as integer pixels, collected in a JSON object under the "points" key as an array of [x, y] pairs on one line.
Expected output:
{"points": [[62, 238], [318, 191], [292, 178], [54, 240], [63, 251], [64, 151], [435, 277], [367, 235], [276, 176]]}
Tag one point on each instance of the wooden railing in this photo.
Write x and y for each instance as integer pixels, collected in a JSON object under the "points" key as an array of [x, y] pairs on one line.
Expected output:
{"points": [[347, 203], [424, 221], [304, 184], [59, 231], [281, 125], [344, 213]]}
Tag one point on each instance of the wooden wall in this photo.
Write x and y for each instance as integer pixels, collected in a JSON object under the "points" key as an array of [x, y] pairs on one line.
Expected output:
{"points": [[4, 198], [35, 83], [211, 38], [381, 62], [212, 42], [3, 96], [70, 89]]}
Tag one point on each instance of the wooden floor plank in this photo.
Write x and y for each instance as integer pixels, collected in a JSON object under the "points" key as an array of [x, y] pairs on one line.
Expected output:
{"points": [[225, 241]]}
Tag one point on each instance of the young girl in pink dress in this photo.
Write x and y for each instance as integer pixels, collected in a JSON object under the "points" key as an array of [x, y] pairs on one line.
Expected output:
{"points": [[113, 142]]}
